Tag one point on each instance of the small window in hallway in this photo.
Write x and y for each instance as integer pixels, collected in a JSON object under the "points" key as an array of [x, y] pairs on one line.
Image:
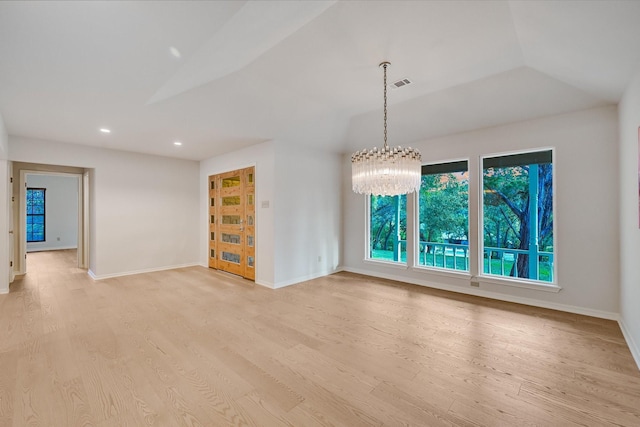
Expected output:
{"points": [[36, 214]]}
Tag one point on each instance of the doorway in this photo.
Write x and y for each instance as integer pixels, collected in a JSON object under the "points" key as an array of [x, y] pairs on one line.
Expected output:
{"points": [[64, 234], [232, 222]]}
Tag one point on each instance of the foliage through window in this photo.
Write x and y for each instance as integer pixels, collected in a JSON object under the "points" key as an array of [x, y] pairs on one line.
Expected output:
{"points": [[517, 213], [388, 228], [36, 214], [443, 221], [515, 221]]}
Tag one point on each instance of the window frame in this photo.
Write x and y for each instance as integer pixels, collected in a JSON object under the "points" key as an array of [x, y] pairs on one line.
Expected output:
{"points": [[43, 215], [367, 240], [475, 275], [416, 227], [552, 286]]}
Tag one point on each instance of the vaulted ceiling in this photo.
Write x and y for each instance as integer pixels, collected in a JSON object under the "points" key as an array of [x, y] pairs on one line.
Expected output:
{"points": [[222, 75]]}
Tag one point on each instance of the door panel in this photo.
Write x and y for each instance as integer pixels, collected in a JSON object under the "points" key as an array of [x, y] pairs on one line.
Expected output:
{"points": [[249, 228], [232, 222]]}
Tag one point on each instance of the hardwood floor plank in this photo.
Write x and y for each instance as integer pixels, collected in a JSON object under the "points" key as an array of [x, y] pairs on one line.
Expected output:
{"points": [[308, 416], [419, 411], [589, 404], [8, 378], [218, 405], [323, 368], [143, 366], [11, 328], [614, 381], [261, 412], [507, 412], [72, 396], [196, 347], [50, 312], [107, 398], [271, 388], [32, 404]]}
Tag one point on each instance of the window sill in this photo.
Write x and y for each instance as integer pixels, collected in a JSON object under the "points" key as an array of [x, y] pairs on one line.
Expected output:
{"points": [[456, 274], [537, 286], [398, 265]]}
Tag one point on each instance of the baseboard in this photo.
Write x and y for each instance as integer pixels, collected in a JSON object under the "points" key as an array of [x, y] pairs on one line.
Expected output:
{"points": [[55, 248], [492, 295], [256, 281], [265, 284], [633, 346], [148, 270], [305, 278], [4, 291]]}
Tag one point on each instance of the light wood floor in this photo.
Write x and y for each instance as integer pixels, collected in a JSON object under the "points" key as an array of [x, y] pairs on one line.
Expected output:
{"points": [[197, 347]]}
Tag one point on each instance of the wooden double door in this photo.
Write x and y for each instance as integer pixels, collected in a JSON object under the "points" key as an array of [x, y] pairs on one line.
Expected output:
{"points": [[232, 222]]}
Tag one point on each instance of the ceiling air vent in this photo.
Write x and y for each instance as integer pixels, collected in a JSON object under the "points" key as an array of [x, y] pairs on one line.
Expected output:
{"points": [[400, 83]]}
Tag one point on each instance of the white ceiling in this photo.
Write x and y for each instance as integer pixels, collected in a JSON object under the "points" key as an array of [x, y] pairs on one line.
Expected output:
{"points": [[302, 71]]}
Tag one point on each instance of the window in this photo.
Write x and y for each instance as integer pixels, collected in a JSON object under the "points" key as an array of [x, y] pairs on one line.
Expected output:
{"points": [[36, 214], [514, 219], [517, 216], [443, 216], [388, 228]]}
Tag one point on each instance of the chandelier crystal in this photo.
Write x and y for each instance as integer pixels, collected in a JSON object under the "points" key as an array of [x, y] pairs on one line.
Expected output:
{"points": [[388, 171]]}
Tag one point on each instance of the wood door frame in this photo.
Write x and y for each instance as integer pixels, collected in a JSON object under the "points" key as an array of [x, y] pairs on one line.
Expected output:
{"points": [[246, 227]]}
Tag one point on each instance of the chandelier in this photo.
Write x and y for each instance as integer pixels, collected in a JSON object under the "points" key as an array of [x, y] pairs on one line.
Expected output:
{"points": [[388, 171]]}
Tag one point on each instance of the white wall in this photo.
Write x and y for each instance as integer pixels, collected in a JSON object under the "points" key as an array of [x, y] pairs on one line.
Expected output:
{"points": [[302, 222], [629, 110], [143, 209], [61, 211], [308, 207], [586, 163], [262, 156], [4, 140], [5, 207]]}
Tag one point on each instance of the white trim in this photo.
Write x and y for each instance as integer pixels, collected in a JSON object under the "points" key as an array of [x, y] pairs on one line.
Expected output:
{"points": [[84, 231], [367, 227], [4, 291], [367, 238], [225, 170], [422, 269], [392, 264], [257, 282], [480, 177], [454, 274], [519, 283], [304, 278], [492, 295], [57, 248], [268, 285], [633, 346], [22, 219], [147, 270]]}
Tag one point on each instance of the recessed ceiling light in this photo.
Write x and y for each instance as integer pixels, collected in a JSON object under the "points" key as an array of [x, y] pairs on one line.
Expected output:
{"points": [[175, 52], [105, 130], [177, 143]]}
